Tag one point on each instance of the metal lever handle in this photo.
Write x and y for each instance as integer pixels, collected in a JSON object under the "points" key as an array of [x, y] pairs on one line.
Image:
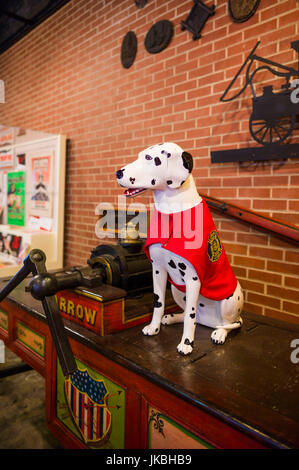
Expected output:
{"points": [[35, 263]]}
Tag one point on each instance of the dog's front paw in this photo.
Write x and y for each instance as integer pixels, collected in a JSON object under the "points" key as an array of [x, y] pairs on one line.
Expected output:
{"points": [[219, 336], [150, 330], [185, 347]]}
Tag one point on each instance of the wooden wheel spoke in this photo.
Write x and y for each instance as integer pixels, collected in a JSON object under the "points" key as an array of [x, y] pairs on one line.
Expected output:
{"points": [[277, 132], [283, 128], [260, 129], [264, 134]]}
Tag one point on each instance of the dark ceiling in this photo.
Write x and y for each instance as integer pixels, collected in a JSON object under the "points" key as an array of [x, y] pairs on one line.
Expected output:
{"points": [[19, 17]]}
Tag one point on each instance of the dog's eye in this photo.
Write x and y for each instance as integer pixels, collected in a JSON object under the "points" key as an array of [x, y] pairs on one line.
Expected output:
{"points": [[148, 157]]}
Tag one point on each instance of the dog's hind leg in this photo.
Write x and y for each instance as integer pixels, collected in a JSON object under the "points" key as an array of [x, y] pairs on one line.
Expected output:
{"points": [[180, 299], [219, 335], [231, 309]]}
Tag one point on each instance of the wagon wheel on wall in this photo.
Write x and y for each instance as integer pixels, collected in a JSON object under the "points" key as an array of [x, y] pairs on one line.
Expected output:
{"points": [[274, 130]]}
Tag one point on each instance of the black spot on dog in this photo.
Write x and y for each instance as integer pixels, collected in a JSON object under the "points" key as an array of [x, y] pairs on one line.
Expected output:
{"points": [[195, 278], [238, 298], [193, 308], [169, 182], [172, 264], [153, 182], [201, 305], [156, 330], [184, 298], [132, 180], [183, 280], [182, 266], [119, 174], [187, 341], [182, 273], [157, 304], [157, 272], [182, 182], [157, 161], [192, 315], [148, 157]]}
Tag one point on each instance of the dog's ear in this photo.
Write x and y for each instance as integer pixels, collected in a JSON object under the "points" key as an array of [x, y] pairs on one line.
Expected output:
{"points": [[179, 168], [187, 161]]}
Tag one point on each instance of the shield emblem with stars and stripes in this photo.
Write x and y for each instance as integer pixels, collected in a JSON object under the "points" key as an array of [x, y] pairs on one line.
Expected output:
{"points": [[86, 399]]}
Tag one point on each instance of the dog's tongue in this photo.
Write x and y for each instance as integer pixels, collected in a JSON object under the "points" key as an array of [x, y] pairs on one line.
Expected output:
{"points": [[131, 192]]}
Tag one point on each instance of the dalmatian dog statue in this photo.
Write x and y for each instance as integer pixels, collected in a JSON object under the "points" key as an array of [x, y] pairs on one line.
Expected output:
{"points": [[184, 247]]}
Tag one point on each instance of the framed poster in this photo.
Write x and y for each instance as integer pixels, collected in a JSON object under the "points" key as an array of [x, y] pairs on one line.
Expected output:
{"points": [[16, 198], [41, 185]]}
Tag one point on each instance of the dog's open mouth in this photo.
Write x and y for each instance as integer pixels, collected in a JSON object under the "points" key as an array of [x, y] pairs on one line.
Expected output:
{"points": [[131, 192]]}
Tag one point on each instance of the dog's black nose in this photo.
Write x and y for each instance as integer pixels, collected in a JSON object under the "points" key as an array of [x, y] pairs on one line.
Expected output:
{"points": [[119, 174]]}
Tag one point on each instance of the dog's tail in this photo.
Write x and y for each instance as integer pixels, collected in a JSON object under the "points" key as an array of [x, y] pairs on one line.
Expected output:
{"points": [[232, 326]]}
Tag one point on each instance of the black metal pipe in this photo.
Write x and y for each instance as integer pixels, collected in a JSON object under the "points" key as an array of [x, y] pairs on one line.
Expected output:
{"points": [[14, 369]]}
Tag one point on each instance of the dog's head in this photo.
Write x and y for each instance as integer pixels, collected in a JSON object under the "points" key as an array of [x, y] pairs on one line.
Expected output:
{"points": [[158, 167]]}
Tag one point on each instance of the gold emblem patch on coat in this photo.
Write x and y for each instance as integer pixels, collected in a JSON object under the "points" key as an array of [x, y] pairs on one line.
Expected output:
{"points": [[214, 248]]}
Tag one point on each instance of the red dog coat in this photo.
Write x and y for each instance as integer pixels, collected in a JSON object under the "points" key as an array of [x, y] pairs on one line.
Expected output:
{"points": [[207, 256]]}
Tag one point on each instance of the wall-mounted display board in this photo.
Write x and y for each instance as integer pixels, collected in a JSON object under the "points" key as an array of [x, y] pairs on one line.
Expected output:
{"points": [[32, 187]]}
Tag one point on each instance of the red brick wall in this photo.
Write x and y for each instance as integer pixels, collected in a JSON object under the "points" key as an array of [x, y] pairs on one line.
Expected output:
{"points": [[66, 77]]}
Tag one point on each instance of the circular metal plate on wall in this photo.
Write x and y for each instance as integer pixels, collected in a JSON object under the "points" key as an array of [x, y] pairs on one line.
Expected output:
{"points": [[242, 10], [158, 37], [128, 49], [140, 3]]}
